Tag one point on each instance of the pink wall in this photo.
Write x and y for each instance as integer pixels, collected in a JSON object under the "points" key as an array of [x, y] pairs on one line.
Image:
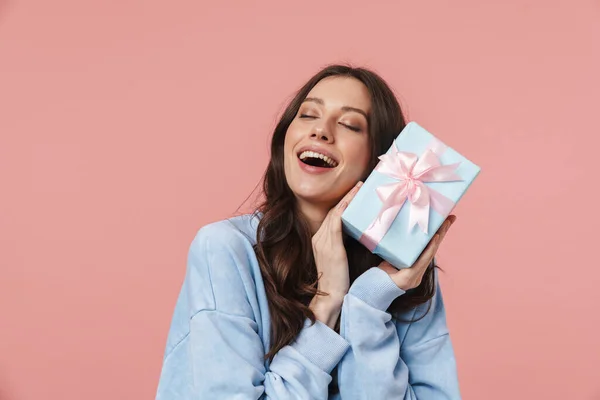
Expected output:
{"points": [[120, 120]]}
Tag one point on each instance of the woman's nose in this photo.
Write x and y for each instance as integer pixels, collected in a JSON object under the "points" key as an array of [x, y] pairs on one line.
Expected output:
{"points": [[321, 134]]}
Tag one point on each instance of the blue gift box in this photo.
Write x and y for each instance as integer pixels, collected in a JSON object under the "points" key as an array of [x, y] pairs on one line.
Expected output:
{"points": [[399, 244]]}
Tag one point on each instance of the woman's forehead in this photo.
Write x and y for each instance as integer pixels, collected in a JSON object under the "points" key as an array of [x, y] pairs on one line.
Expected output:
{"points": [[340, 92]]}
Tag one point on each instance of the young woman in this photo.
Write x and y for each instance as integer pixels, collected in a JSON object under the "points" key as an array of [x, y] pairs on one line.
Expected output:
{"points": [[281, 304]]}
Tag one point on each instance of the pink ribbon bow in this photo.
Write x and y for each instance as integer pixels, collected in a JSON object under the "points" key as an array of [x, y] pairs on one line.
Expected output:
{"points": [[411, 172]]}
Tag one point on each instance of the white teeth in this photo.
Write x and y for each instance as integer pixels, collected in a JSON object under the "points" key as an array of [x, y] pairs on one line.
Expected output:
{"points": [[312, 154]]}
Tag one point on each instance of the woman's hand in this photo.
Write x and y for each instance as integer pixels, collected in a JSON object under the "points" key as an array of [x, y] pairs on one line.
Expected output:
{"points": [[332, 263], [409, 278]]}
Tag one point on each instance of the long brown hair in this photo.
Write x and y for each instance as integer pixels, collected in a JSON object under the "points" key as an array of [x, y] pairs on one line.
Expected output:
{"points": [[284, 248]]}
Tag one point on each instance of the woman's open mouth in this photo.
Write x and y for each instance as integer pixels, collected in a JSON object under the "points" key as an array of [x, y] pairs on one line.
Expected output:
{"points": [[314, 159]]}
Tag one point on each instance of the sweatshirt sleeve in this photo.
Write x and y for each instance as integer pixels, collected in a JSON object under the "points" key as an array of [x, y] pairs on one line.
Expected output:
{"points": [[382, 365], [221, 356]]}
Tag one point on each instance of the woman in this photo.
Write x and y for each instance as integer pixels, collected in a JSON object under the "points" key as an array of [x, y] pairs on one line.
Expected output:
{"points": [[281, 304]]}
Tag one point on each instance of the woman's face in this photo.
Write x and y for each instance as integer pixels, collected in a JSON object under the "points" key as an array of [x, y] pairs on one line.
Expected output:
{"points": [[327, 144]]}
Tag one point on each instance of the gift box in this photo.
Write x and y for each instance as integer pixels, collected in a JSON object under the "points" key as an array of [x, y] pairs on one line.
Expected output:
{"points": [[407, 197]]}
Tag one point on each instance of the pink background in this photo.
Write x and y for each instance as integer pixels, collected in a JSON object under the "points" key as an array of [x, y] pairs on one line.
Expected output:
{"points": [[127, 125]]}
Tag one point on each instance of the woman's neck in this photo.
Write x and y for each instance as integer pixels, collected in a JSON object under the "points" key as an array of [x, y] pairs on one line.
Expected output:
{"points": [[315, 214]]}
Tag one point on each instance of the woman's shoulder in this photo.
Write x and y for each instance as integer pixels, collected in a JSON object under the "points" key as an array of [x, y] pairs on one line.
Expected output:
{"points": [[222, 265], [235, 233], [226, 248]]}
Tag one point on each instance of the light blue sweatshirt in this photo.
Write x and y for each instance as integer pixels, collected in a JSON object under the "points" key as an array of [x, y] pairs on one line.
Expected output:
{"points": [[220, 332]]}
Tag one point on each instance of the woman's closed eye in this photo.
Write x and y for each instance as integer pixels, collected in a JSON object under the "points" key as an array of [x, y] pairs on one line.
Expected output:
{"points": [[352, 128], [347, 126]]}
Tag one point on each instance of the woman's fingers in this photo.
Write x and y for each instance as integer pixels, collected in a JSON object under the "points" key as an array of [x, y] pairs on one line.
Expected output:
{"points": [[337, 211], [348, 197], [447, 224], [429, 253], [434, 244], [408, 278]]}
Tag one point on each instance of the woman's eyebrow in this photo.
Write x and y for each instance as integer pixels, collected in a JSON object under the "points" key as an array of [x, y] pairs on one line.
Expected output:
{"points": [[344, 108]]}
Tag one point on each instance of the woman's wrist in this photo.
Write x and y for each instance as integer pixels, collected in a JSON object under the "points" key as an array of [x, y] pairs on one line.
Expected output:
{"points": [[327, 309]]}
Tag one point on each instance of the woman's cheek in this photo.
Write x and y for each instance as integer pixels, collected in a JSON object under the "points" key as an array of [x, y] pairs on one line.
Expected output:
{"points": [[359, 156]]}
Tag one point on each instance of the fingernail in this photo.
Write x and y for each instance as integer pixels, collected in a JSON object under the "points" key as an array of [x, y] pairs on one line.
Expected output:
{"points": [[359, 184]]}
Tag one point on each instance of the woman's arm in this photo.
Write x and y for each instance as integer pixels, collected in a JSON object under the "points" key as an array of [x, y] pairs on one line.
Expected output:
{"points": [[379, 364], [222, 354]]}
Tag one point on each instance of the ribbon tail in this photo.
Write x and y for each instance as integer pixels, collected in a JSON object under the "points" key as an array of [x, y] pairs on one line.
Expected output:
{"points": [[379, 227], [419, 215]]}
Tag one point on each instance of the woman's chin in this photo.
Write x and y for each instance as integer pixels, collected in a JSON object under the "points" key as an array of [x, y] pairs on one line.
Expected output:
{"points": [[321, 198]]}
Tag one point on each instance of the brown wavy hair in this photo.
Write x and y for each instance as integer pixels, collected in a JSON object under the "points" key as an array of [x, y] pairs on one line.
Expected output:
{"points": [[284, 248]]}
